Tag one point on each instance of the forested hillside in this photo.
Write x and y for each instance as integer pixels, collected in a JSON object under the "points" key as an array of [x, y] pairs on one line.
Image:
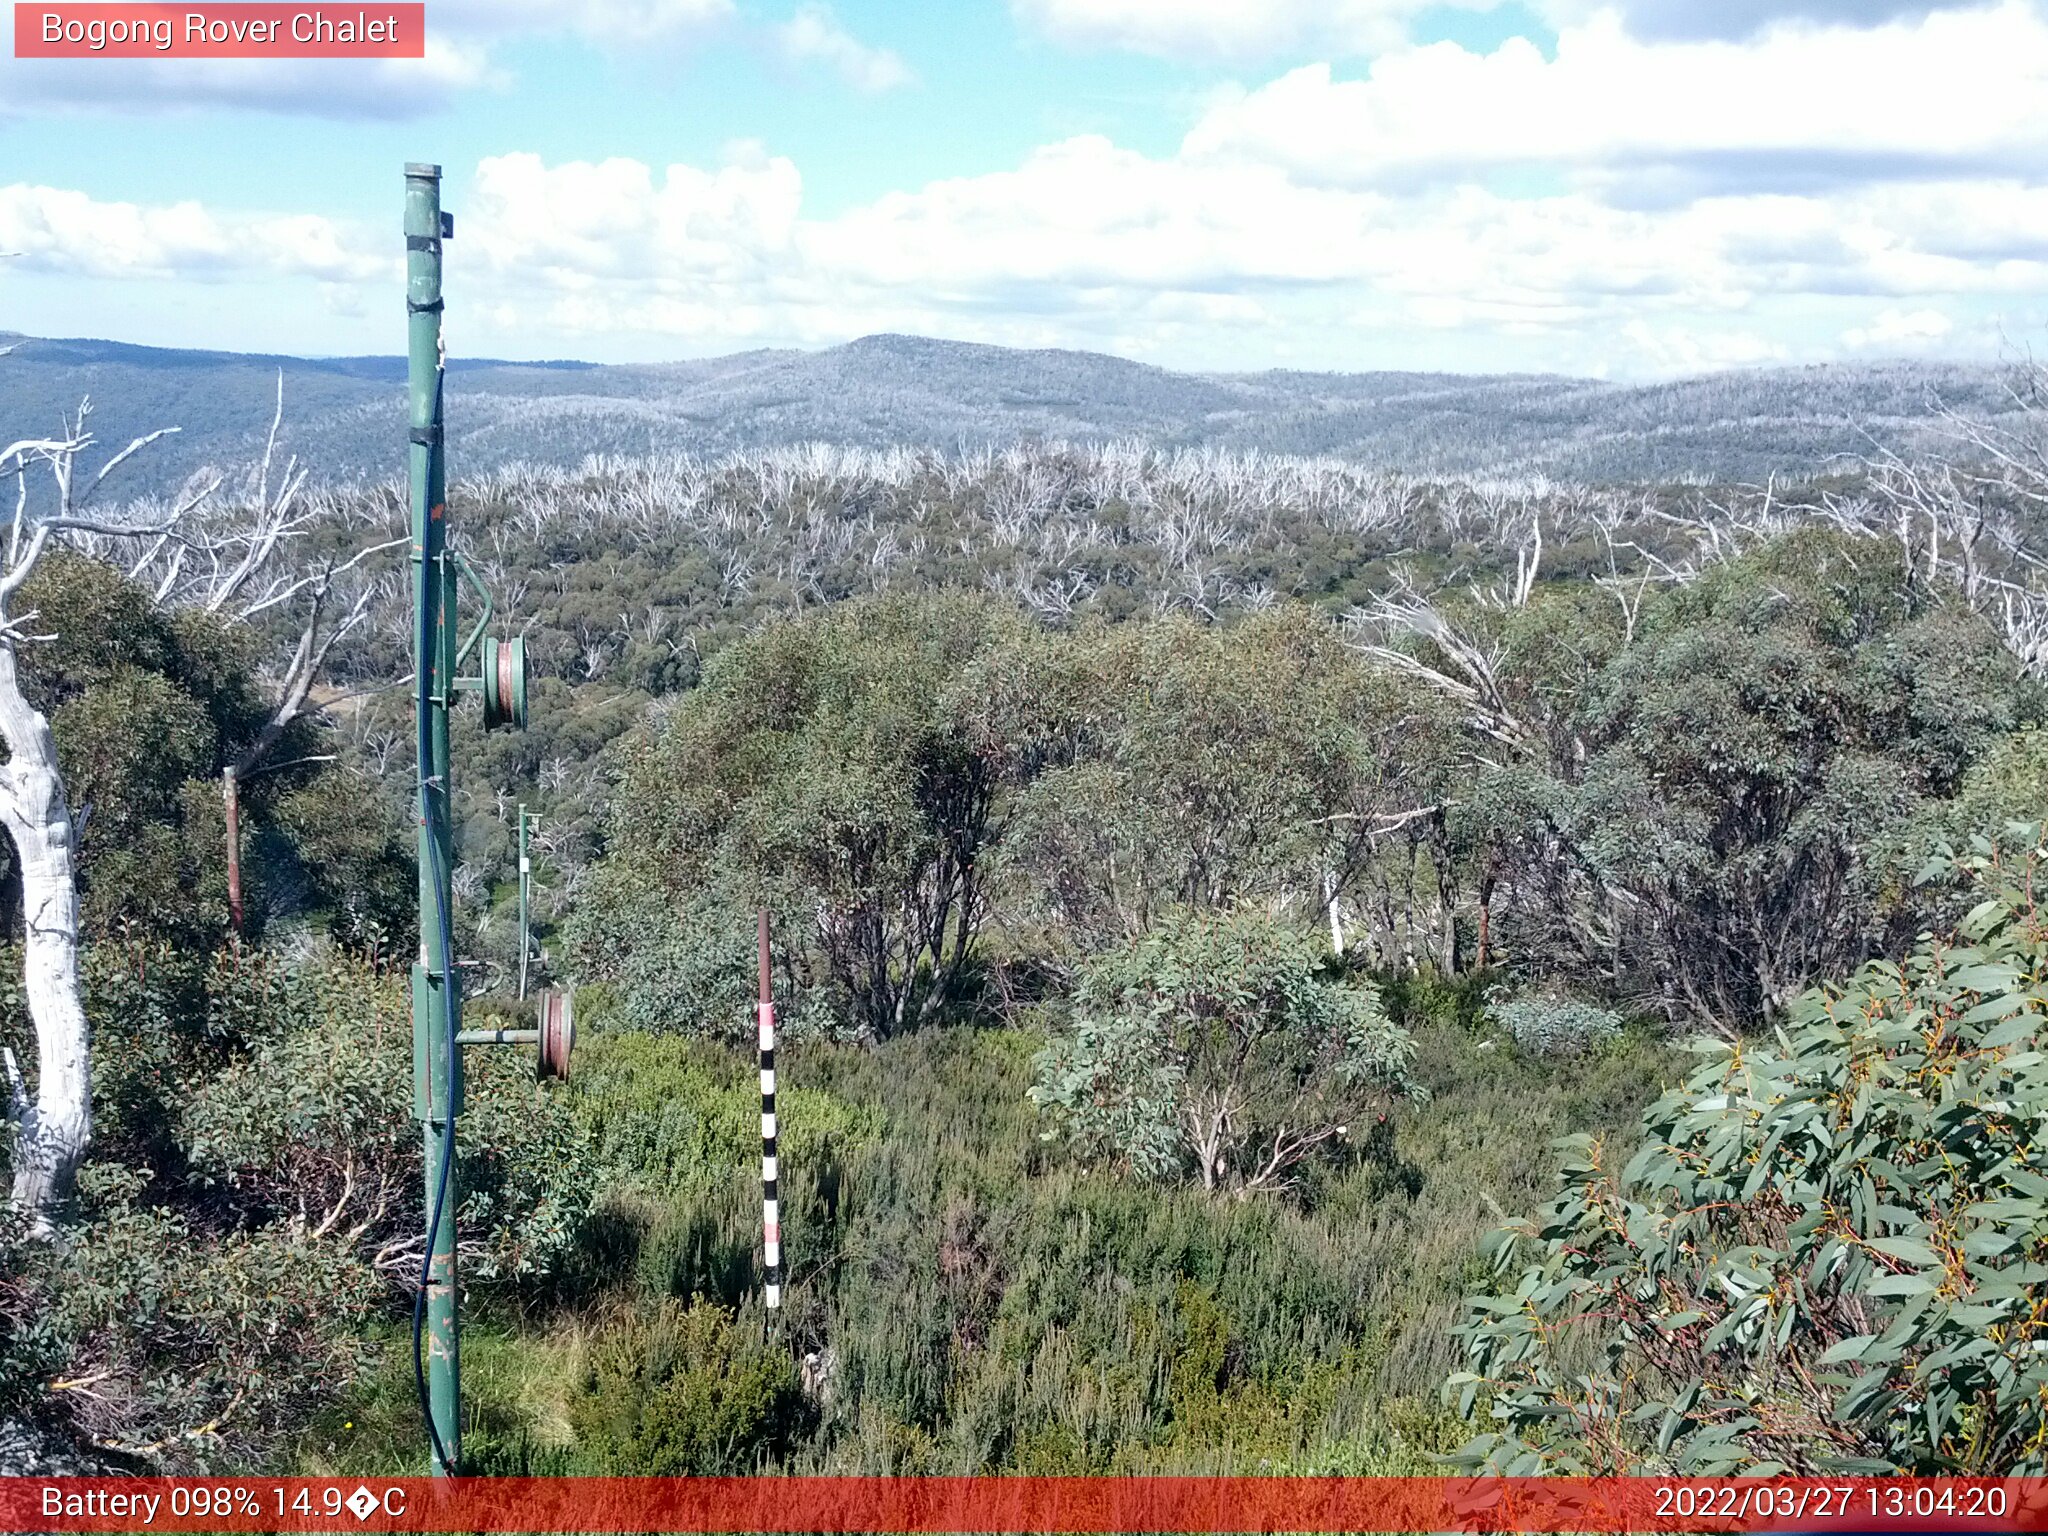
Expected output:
{"points": [[890, 392], [1200, 880]]}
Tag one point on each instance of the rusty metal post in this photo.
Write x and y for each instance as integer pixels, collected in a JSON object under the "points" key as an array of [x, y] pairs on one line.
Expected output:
{"points": [[231, 799]]}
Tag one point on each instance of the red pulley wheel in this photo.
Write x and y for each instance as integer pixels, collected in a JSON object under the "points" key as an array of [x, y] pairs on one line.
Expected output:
{"points": [[557, 1032], [503, 683]]}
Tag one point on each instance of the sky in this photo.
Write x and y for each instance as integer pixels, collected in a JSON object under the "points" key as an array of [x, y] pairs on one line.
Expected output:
{"points": [[1617, 188]]}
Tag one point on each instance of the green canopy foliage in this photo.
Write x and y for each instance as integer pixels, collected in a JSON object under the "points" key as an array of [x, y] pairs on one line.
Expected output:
{"points": [[898, 778], [1171, 763], [1713, 814], [821, 771], [1827, 1255], [147, 707], [1695, 806], [1214, 1042]]}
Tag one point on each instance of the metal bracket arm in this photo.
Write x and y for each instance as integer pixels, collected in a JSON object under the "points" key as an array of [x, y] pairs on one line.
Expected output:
{"points": [[462, 568]]}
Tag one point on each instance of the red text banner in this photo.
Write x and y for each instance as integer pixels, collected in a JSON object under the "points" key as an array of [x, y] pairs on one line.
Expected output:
{"points": [[239, 29], [992, 1504]]}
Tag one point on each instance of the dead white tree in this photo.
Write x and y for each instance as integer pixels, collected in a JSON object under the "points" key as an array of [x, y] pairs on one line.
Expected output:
{"points": [[1966, 515], [1456, 660], [231, 563], [240, 563], [52, 1126]]}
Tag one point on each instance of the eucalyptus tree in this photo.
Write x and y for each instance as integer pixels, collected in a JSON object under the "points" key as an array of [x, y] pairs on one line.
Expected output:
{"points": [[1696, 794], [1823, 1254], [253, 559], [234, 564], [1170, 764], [1215, 1045], [822, 770]]}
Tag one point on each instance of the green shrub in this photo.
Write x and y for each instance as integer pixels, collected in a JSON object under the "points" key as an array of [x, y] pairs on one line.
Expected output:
{"points": [[1549, 1025], [1417, 999], [967, 1300], [675, 1116], [686, 966], [255, 1177], [1826, 1256], [685, 1392], [32, 1349], [311, 1118], [194, 1350]]}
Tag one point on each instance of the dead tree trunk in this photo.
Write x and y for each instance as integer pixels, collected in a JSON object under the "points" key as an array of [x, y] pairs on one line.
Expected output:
{"points": [[54, 1127]]}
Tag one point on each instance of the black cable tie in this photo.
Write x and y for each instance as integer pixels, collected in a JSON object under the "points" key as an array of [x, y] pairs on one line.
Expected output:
{"points": [[422, 243], [425, 437], [423, 309]]}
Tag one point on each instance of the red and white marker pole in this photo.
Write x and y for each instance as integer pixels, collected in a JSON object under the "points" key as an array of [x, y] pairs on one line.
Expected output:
{"points": [[771, 1215]]}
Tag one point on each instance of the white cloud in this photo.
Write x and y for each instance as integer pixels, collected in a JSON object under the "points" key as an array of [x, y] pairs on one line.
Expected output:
{"points": [[610, 24], [814, 34], [1800, 110], [1691, 349], [66, 231], [1448, 209], [1090, 244], [1226, 29], [336, 88], [1265, 29], [1745, 18], [579, 224], [1086, 241], [1900, 330], [1086, 213]]}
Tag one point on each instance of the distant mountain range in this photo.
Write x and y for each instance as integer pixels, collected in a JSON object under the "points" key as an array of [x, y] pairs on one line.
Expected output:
{"points": [[345, 416]]}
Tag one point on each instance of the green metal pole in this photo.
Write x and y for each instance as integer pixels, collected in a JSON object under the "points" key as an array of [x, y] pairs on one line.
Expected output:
{"points": [[437, 1082]]}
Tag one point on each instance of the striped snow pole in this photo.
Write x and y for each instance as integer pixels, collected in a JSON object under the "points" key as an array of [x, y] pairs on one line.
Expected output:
{"points": [[771, 1217]]}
